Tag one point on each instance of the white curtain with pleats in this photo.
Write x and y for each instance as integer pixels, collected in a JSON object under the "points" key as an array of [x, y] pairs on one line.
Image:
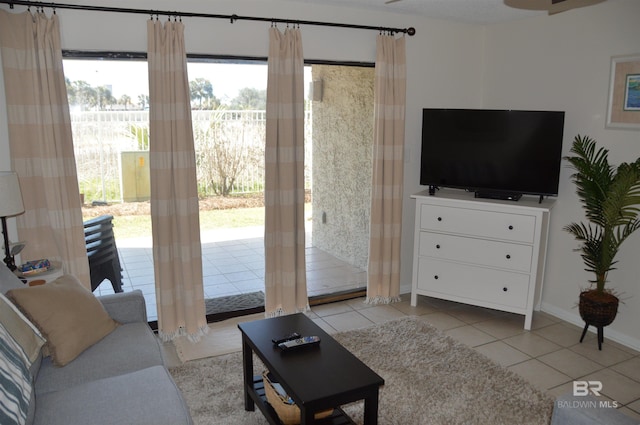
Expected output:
{"points": [[285, 270], [177, 252], [383, 284], [41, 142]]}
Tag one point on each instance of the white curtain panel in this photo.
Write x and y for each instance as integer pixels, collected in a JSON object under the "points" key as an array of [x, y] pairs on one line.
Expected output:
{"points": [[177, 252], [383, 284], [285, 270], [41, 142]]}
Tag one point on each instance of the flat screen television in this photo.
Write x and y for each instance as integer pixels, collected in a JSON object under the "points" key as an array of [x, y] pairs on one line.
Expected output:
{"points": [[495, 153]]}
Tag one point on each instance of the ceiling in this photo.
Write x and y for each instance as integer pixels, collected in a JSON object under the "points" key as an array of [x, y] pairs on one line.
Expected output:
{"points": [[468, 11]]}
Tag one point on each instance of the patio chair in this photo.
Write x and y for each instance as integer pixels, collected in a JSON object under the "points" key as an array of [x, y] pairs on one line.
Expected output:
{"points": [[104, 262]]}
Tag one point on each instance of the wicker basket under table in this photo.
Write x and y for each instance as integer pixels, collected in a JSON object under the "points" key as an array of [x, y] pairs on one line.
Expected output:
{"points": [[288, 413]]}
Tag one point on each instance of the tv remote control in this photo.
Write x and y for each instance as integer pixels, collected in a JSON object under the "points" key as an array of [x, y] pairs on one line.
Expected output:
{"points": [[294, 335], [305, 341]]}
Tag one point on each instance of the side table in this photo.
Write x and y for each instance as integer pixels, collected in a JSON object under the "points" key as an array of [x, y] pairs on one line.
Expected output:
{"points": [[54, 272]]}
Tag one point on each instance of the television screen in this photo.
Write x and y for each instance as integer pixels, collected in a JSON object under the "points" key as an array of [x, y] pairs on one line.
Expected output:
{"points": [[495, 153]]}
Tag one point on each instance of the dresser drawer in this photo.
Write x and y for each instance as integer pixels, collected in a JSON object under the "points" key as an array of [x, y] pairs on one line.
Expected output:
{"points": [[473, 283], [504, 255], [479, 223]]}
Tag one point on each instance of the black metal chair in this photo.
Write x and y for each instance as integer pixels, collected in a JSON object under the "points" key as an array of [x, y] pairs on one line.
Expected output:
{"points": [[104, 262]]}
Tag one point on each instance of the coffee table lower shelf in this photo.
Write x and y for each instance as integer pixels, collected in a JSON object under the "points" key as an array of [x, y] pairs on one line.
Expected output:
{"points": [[339, 417]]}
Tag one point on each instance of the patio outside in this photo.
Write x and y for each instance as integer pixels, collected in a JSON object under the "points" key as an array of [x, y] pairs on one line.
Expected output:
{"points": [[231, 220], [232, 262]]}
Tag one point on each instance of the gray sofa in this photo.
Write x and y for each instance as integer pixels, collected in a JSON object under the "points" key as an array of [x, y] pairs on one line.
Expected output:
{"points": [[122, 379]]}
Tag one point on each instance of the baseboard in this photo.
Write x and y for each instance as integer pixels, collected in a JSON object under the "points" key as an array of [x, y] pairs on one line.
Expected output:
{"points": [[575, 319]]}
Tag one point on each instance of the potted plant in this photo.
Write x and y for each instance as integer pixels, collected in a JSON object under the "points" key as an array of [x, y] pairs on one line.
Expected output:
{"points": [[610, 197]]}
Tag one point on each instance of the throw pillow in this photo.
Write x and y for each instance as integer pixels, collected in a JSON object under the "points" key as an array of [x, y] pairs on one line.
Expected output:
{"points": [[15, 381], [69, 316], [21, 329]]}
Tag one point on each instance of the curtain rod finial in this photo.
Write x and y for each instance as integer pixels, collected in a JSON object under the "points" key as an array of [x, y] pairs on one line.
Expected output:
{"points": [[411, 31]]}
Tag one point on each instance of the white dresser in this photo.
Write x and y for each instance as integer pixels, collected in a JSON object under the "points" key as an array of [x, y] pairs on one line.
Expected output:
{"points": [[485, 252]]}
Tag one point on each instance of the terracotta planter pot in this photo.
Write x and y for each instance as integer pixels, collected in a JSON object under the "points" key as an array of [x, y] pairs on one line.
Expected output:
{"points": [[598, 309]]}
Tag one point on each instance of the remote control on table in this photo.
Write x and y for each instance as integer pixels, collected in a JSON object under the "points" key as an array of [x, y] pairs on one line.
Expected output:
{"points": [[294, 335], [305, 341]]}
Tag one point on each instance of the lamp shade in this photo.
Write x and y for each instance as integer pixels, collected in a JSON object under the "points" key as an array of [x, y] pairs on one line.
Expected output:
{"points": [[10, 196]]}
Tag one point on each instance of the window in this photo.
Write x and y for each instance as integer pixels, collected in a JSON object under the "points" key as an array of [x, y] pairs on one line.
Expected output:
{"points": [[109, 105]]}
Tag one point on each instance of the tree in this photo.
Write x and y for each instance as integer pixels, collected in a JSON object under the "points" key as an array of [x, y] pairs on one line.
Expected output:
{"points": [[227, 148], [143, 101], [80, 93], [105, 98], [125, 100], [202, 91], [250, 98]]}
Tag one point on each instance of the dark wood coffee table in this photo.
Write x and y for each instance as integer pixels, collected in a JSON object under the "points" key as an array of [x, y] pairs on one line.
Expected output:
{"points": [[317, 378]]}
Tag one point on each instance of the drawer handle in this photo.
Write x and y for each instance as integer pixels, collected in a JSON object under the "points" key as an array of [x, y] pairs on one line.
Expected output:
{"points": [[438, 246], [508, 257], [439, 218], [510, 227], [505, 289], [435, 277]]}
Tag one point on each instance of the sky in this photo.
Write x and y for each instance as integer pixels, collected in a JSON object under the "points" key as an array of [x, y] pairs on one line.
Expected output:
{"points": [[130, 77]]}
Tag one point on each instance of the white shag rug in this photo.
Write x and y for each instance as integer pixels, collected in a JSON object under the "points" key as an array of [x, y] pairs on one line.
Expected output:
{"points": [[430, 378]]}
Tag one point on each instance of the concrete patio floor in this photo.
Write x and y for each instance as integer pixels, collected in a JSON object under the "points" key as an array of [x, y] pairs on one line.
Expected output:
{"points": [[232, 263]]}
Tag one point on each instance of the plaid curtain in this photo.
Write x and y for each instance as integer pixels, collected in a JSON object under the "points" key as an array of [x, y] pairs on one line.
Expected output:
{"points": [[383, 285], [285, 273], [41, 142], [177, 252]]}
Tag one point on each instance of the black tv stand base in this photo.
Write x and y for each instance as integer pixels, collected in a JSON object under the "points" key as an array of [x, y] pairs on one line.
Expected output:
{"points": [[504, 196]]}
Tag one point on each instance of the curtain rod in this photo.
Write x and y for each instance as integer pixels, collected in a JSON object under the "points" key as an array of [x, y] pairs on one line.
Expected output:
{"points": [[232, 18]]}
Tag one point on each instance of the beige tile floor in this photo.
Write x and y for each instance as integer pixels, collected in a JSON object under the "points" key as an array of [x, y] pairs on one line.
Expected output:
{"points": [[549, 356]]}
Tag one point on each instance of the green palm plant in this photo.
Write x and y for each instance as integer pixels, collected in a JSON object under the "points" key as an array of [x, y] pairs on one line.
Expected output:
{"points": [[610, 197]]}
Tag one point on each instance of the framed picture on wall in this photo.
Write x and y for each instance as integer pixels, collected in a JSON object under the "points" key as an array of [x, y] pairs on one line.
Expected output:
{"points": [[624, 93]]}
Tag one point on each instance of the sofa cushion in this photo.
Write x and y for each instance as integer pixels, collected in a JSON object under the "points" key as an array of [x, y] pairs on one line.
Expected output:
{"points": [[22, 330], [125, 307], [69, 316], [144, 397], [16, 382], [129, 348]]}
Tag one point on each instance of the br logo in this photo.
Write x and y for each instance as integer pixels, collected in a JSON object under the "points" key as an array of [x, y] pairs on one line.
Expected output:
{"points": [[583, 388]]}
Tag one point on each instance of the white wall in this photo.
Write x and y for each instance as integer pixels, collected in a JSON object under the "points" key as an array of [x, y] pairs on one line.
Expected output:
{"points": [[562, 62], [547, 62]]}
